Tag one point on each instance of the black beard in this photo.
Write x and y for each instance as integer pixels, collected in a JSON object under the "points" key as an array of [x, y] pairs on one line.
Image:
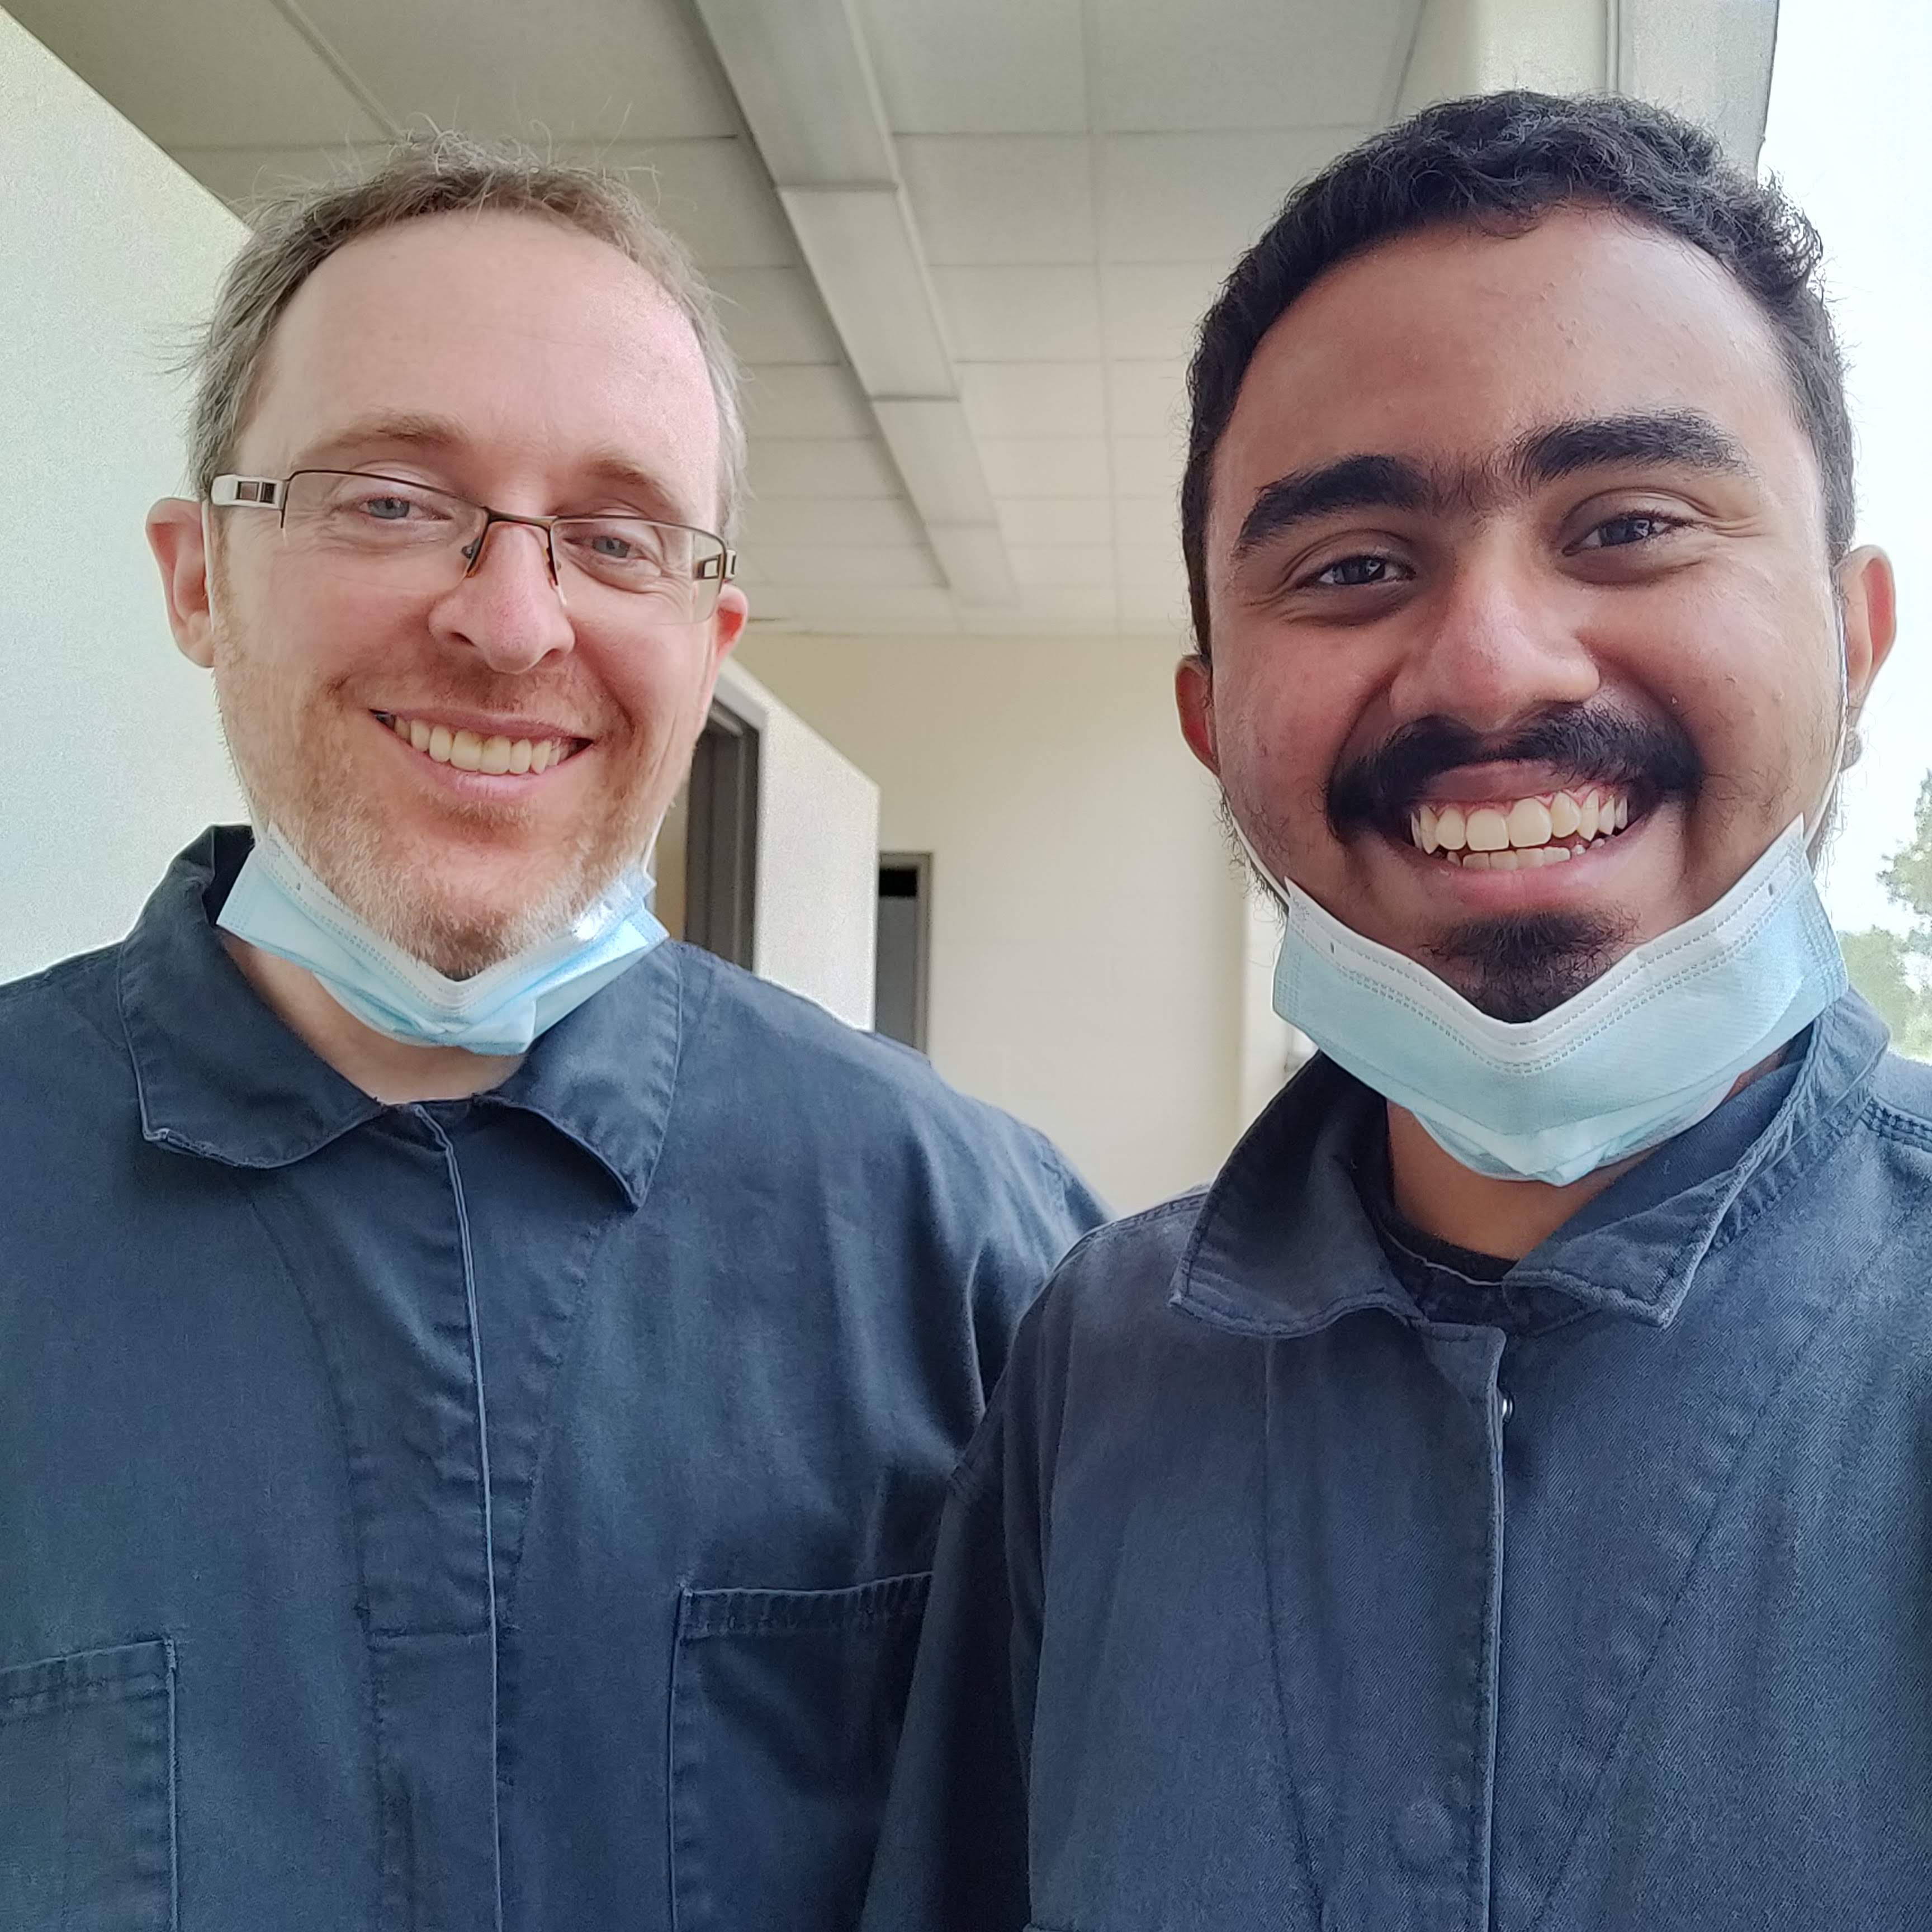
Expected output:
{"points": [[1520, 968]]}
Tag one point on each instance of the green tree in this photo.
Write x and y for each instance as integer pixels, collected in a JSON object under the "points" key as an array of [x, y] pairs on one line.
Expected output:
{"points": [[1893, 970]]}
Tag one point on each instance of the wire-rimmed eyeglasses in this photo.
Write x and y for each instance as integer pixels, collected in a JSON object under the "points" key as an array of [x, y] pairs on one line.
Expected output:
{"points": [[411, 532]]}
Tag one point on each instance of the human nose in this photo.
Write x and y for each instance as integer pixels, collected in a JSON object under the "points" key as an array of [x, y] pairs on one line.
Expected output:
{"points": [[1502, 645], [508, 607]]}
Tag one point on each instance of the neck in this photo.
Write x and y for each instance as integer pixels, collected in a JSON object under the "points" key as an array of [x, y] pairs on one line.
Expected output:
{"points": [[392, 1071], [1435, 1192]]}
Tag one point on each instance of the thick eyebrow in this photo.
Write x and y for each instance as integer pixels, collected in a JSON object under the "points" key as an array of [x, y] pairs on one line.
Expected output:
{"points": [[1350, 483], [438, 436], [1676, 439]]}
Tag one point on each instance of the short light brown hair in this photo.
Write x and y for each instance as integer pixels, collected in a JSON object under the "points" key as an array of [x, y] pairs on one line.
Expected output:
{"points": [[440, 174]]}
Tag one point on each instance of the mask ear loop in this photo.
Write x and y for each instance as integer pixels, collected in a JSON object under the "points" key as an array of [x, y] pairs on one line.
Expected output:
{"points": [[1817, 826]]}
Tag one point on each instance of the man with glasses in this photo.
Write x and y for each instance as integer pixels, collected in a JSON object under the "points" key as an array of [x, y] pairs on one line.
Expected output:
{"points": [[476, 1380]]}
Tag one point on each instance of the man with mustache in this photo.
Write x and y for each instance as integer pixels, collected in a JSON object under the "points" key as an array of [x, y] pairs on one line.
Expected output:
{"points": [[476, 1380], [1500, 1500]]}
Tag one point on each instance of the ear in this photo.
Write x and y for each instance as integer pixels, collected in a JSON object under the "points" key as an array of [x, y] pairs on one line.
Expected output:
{"points": [[1870, 599], [1194, 698], [727, 622], [179, 541]]}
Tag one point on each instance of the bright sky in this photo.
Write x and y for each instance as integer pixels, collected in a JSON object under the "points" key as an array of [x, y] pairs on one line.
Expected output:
{"points": [[1850, 135]]}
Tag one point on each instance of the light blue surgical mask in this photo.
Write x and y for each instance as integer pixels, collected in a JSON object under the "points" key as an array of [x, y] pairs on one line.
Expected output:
{"points": [[1641, 1054], [277, 904]]}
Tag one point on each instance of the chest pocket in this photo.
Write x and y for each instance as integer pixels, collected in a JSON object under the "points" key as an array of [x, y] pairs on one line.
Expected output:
{"points": [[786, 1706], [87, 1797]]}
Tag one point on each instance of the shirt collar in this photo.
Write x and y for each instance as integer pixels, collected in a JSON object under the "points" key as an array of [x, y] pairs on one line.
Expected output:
{"points": [[1284, 1247], [219, 1075]]}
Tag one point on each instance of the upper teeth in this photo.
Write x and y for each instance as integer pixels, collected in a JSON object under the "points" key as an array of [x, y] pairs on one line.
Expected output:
{"points": [[1526, 831], [468, 751]]}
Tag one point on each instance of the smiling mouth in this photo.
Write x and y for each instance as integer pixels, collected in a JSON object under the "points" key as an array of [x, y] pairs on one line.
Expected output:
{"points": [[470, 751], [1518, 834]]}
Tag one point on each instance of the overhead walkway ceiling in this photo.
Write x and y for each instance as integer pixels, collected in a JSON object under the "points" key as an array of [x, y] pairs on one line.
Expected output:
{"points": [[962, 244]]}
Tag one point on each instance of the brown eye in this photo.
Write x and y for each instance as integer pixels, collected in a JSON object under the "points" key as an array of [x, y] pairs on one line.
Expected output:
{"points": [[1354, 573], [1639, 526]]}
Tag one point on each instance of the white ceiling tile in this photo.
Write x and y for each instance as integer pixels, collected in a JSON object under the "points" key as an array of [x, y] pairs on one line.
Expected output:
{"points": [[1147, 466], [568, 70], [1147, 399], [1033, 398], [1051, 609], [246, 177], [1202, 197], [774, 315], [1056, 466], [796, 567], [190, 75], [804, 399], [984, 198], [872, 609], [812, 466], [775, 523], [1147, 523], [1088, 565], [1056, 520], [1153, 309], [713, 194], [1246, 63], [1020, 315], [1152, 566], [995, 66]]}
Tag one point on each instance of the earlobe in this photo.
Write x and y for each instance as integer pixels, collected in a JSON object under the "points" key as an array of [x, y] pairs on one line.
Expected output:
{"points": [[728, 623], [179, 541], [1194, 698]]}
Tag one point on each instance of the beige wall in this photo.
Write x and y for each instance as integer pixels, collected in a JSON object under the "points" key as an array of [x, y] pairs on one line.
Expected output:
{"points": [[1088, 931], [108, 253]]}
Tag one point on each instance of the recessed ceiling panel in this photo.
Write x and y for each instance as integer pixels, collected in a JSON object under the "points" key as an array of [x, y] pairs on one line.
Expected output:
{"points": [[712, 193], [800, 399], [774, 315], [245, 177], [1034, 398], [566, 70], [1020, 315], [192, 75], [991, 66], [1252, 64], [1201, 197], [1038, 520], [1147, 398], [808, 468], [1152, 309], [1063, 466], [983, 198]]}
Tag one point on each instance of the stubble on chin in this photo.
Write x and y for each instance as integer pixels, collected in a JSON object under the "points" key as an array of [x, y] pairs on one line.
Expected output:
{"points": [[286, 751]]}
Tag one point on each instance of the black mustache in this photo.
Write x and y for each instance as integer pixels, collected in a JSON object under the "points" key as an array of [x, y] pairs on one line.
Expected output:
{"points": [[1652, 756]]}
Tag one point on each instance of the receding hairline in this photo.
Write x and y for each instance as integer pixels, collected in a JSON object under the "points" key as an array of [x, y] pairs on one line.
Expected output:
{"points": [[427, 429]]}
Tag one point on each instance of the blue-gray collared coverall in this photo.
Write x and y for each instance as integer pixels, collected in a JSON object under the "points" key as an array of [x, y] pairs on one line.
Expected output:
{"points": [[1297, 1581], [498, 1512]]}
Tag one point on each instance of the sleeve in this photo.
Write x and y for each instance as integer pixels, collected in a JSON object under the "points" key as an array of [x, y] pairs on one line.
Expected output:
{"points": [[953, 1851], [1039, 1225]]}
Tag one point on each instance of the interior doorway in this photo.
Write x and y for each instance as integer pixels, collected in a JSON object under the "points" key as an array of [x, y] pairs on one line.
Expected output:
{"points": [[706, 861], [902, 966]]}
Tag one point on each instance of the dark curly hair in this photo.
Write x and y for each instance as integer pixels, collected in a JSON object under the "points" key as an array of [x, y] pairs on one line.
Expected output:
{"points": [[1502, 162]]}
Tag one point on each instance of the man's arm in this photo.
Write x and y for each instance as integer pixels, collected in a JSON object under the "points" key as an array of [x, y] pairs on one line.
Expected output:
{"points": [[952, 1853]]}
